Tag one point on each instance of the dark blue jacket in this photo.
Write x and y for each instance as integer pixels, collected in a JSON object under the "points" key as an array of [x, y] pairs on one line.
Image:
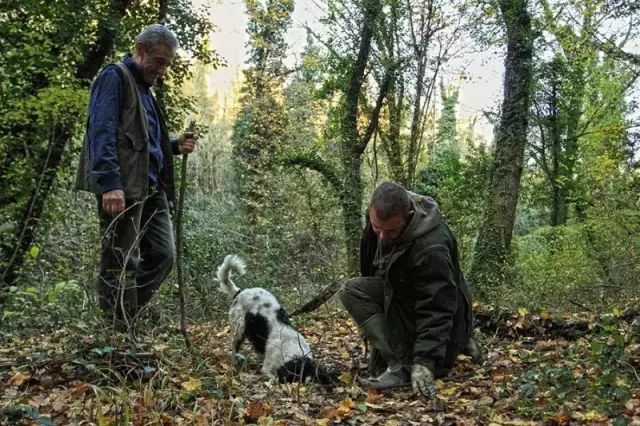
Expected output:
{"points": [[104, 111], [126, 145]]}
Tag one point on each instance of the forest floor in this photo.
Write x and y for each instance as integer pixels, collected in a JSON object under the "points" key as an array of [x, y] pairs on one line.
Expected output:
{"points": [[79, 377]]}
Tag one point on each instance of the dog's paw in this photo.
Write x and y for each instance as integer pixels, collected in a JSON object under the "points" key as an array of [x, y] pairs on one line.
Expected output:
{"points": [[239, 359]]}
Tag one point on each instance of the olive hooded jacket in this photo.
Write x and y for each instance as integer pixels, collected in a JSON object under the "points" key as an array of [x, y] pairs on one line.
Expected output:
{"points": [[427, 301]]}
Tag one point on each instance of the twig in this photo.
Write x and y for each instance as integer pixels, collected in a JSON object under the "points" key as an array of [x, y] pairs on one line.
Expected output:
{"points": [[580, 305]]}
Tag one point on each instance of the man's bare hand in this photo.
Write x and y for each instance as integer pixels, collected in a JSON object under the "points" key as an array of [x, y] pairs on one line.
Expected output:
{"points": [[113, 202], [187, 142]]}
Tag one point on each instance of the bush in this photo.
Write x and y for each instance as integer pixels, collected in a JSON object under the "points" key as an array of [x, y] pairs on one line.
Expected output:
{"points": [[592, 263]]}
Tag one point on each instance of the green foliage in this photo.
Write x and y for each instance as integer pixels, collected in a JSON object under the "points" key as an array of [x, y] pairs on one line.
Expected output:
{"points": [[257, 133], [593, 263], [539, 380], [41, 308], [596, 371], [447, 134], [552, 263], [459, 186], [608, 351]]}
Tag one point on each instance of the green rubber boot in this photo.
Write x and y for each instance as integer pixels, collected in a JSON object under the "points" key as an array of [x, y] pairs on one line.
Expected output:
{"points": [[396, 374]]}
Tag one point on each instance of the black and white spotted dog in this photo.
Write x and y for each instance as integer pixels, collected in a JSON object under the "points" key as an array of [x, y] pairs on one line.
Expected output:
{"points": [[255, 314]]}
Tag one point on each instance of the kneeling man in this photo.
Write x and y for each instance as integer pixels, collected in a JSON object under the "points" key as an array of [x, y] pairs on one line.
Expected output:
{"points": [[412, 302]]}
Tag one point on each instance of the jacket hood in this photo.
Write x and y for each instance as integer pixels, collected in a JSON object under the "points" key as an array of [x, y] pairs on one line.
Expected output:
{"points": [[426, 216]]}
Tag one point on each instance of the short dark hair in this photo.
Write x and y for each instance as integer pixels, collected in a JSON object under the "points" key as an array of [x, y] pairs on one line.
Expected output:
{"points": [[390, 199]]}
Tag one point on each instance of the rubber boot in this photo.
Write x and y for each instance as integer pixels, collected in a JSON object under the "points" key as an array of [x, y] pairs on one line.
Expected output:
{"points": [[472, 349], [396, 374]]}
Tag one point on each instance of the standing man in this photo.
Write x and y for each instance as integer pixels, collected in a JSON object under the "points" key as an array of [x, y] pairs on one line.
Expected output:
{"points": [[412, 302], [127, 162]]}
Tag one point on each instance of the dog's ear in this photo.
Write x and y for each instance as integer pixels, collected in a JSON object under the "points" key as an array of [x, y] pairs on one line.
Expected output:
{"points": [[283, 316]]}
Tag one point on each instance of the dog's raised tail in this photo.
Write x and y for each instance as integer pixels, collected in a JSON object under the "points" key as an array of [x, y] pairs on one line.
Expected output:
{"points": [[230, 263]]}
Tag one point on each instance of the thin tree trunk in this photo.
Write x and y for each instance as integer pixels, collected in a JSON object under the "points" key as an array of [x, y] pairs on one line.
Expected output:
{"points": [[420, 44], [352, 144], [494, 239], [391, 142], [558, 200]]}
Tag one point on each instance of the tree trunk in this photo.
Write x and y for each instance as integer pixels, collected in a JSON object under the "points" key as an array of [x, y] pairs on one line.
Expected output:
{"points": [[348, 180], [559, 198], [94, 54], [391, 140], [353, 145], [351, 201], [420, 42], [494, 239]]}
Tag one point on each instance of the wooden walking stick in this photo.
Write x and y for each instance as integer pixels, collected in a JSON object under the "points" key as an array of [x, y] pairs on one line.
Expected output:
{"points": [[183, 185]]}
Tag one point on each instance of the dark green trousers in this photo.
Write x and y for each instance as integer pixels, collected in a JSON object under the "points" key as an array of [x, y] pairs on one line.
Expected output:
{"points": [[138, 252], [363, 297]]}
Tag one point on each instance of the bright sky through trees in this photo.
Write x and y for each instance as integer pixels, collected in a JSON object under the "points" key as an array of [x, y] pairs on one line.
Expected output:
{"points": [[480, 91]]}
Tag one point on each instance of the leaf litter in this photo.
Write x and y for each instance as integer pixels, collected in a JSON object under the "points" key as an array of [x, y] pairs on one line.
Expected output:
{"points": [[63, 379]]}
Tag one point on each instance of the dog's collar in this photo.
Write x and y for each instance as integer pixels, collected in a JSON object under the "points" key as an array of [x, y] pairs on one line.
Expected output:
{"points": [[237, 293]]}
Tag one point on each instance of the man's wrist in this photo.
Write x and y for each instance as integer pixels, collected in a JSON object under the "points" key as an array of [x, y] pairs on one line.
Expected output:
{"points": [[425, 362]]}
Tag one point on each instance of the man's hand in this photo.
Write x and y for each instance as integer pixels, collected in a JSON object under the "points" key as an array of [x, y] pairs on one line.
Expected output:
{"points": [[422, 381], [187, 142], [113, 202]]}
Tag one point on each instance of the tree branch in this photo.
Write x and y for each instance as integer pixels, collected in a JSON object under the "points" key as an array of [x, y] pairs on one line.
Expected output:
{"points": [[313, 162], [107, 29], [375, 113]]}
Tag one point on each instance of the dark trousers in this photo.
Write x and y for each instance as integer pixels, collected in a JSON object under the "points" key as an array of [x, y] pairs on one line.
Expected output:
{"points": [[363, 297], [138, 252]]}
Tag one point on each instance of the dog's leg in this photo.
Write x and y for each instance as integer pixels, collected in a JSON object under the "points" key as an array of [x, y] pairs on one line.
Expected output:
{"points": [[236, 318]]}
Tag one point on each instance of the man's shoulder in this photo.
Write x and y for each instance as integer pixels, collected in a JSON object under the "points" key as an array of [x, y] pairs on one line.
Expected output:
{"points": [[110, 73], [437, 238]]}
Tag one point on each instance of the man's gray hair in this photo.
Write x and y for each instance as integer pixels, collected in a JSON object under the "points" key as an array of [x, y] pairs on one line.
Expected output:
{"points": [[155, 34], [390, 199]]}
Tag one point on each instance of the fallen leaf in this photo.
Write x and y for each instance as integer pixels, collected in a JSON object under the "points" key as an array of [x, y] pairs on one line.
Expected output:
{"points": [[346, 378], [374, 406], [485, 400], [561, 419], [18, 379], [192, 385], [80, 390], [256, 410], [632, 403], [346, 405], [372, 396], [330, 413], [590, 416], [449, 391], [224, 332]]}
